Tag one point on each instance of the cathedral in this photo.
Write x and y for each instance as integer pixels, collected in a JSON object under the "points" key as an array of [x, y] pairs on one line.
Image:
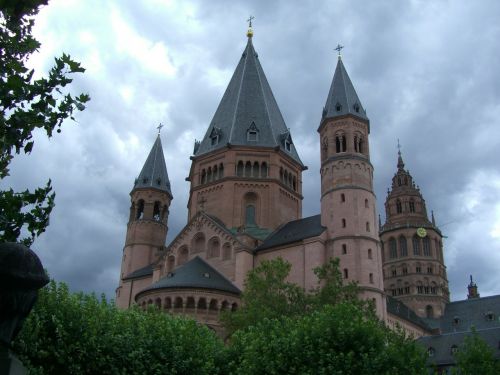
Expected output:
{"points": [[245, 206]]}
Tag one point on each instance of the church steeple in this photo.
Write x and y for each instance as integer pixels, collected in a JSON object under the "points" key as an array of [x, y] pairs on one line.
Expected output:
{"points": [[248, 114], [342, 98], [154, 172], [472, 288]]}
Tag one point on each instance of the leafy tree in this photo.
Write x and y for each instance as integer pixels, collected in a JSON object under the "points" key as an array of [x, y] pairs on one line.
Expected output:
{"points": [[79, 334], [337, 339], [27, 104], [475, 356], [267, 294]]}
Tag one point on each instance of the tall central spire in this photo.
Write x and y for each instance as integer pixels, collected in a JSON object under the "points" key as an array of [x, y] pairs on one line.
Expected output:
{"points": [[248, 114]]}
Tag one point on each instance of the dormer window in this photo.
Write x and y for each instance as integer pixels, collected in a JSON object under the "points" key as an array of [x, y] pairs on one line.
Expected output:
{"points": [[215, 136], [288, 145], [253, 133], [286, 138], [356, 107], [338, 107]]}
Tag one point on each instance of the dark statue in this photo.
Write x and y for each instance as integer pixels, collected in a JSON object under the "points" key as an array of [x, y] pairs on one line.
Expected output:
{"points": [[21, 276]]}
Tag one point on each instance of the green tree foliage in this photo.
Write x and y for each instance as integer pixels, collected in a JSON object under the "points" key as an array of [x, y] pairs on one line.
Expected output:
{"points": [[475, 356], [267, 294], [28, 104], [337, 339], [79, 334]]}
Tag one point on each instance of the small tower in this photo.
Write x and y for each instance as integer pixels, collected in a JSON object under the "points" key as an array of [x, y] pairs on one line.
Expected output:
{"points": [[414, 270], [348, 208], [472, 288], [147, 227]]}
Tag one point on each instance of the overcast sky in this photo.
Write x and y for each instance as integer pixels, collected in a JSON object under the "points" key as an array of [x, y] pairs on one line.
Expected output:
{"points": [[426, 72]]}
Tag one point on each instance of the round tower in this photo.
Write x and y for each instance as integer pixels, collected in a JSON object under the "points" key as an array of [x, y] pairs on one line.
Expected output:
{"points": [[147, 226], [348, 208], [414, 270]]}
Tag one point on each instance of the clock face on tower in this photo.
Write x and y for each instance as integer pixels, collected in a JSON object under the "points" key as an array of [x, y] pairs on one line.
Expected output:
{"points": [[421, 232]]}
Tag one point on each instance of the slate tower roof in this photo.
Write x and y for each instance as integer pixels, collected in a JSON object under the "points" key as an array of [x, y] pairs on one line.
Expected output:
{"points": [[342, 98], [248, 114], [154, 172]]}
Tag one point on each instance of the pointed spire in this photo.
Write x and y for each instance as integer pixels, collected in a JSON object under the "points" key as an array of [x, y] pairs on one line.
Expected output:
{"points": [[432, 217], [154, 172], [342, 98], [401, 164], [248, 114]]}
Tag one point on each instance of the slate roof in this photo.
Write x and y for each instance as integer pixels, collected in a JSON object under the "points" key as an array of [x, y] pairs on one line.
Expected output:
{"points": [[248, 104], [398, 308], [154, 172], [342, 98], [458, 319], [196, 273], [141, 272], [441, 344], [294, 231]]}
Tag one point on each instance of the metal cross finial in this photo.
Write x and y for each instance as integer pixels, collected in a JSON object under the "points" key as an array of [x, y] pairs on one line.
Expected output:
{"points": [[159, 127], [249, 20], [399, 147], [339, 48]]}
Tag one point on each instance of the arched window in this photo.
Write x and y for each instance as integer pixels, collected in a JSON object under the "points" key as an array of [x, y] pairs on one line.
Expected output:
{"points": [[416, 245], [215, 173], [250, 215], [202, 305], [203, 176], [371, 278], [429, 311], [248, 169], [361, 145], [164, 213], [239, 169], [256, 170], [427, 246], [226, 251], [399, 207], [344, 224], [412, 206], [178, 303], [190, 304], [213, 248], [140, 210], [168, 303], [209, 174], [263, 170], [355, 143], [367, 226], [344, 144], [281, 174], [214, 306], [346, 273], [393, 251], [285, 176], [156, 211], [170, 263], [342, 197], [344, 248], [403, 248], [182, 255], [337, 144], [198, 244], [366, 203], [294, 183], [370, 256], [221, 170]]}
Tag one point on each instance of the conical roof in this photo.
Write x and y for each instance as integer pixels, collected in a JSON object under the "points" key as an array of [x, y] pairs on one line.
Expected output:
{"points": [[196, 273], [154, 172], [342, 98], [248, 113]]}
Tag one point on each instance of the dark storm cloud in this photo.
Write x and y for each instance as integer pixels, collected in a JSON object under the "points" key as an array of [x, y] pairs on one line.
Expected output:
{"points": [[425, 71]]}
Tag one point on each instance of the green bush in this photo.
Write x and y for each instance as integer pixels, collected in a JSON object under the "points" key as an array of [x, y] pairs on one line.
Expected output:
{"points": [[337, 339], [79, 334]]}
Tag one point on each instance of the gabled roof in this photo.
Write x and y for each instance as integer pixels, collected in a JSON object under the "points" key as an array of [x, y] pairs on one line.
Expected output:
{"points": [[248, 104], [141, 272], [196, 273], [294, 231], [154, 172], [342, 98]]}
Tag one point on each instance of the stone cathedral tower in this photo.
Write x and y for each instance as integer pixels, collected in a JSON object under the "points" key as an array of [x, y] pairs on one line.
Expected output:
{"points": [[348, 208], [414, 270], [147, 226]]}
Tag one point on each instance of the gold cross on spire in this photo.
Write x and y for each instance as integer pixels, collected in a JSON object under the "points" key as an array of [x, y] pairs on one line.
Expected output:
{"points": [[249, 20], [250, 31], [159, 127]]}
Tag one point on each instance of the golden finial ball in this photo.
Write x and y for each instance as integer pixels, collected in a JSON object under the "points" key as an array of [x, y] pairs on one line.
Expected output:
{"points": [[250, 33]]}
